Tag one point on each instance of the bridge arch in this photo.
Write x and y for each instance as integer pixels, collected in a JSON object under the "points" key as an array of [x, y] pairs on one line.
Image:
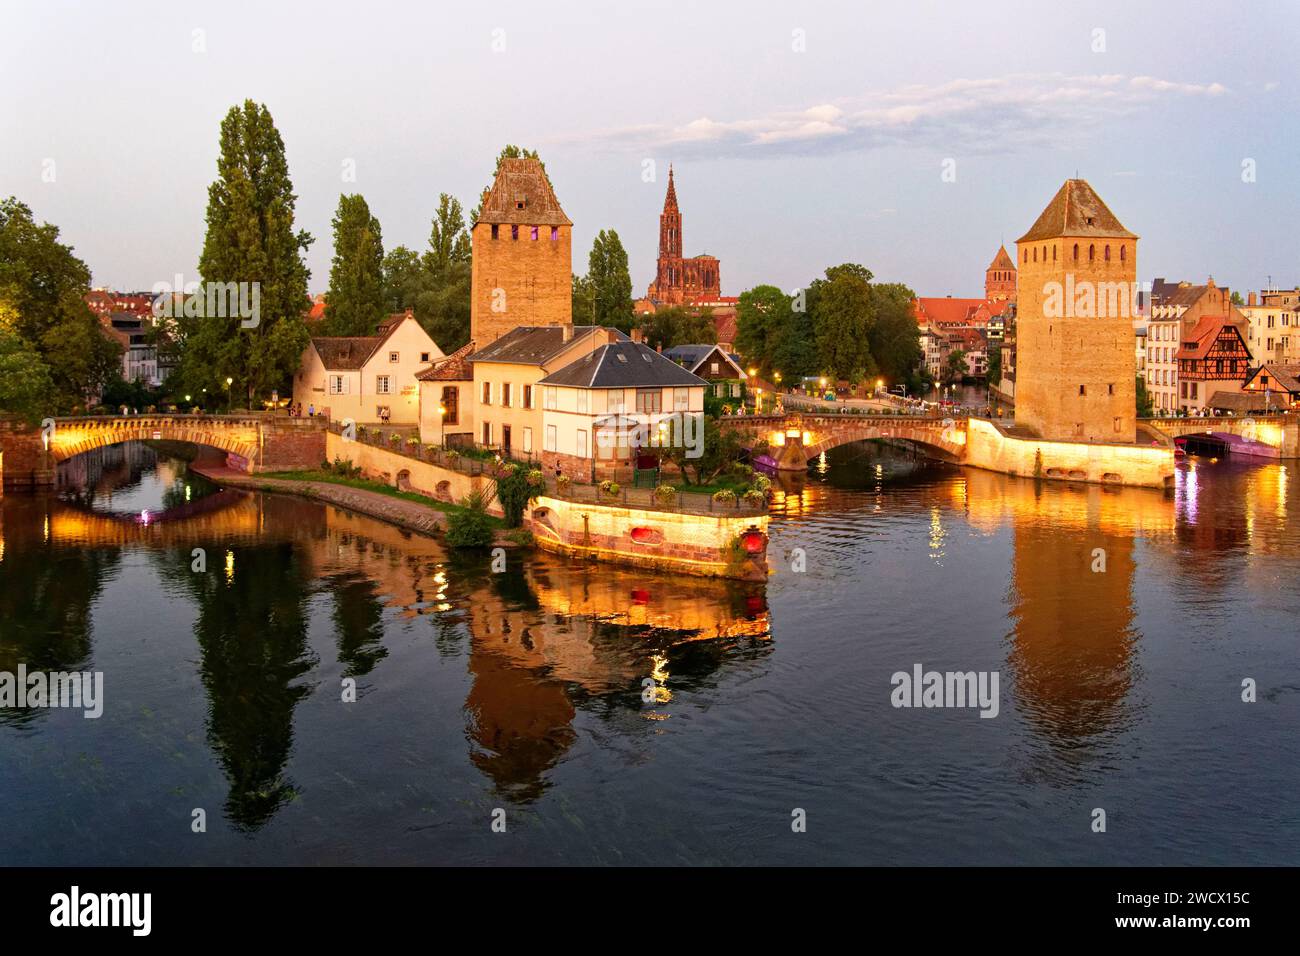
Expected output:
{"points": [[70, 437], [800, 437]]}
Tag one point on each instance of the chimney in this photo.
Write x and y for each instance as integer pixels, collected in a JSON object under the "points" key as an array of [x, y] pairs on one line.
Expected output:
{"points": [[1252, 299], [566, 332], [636, 335]]}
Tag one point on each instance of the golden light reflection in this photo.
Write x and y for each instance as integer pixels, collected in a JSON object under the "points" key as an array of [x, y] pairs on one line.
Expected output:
{"points": [[230, 565], [937, 534]]}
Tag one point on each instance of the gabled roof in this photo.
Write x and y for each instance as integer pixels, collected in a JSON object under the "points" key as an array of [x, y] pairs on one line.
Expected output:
{"points": [[1001, 261], [533, 344], [1076, 210], [623, 365], [692, 357], [346, 353], [522, 195], [947, 312], [1282, 377], [1198, 343], [455, 367]]}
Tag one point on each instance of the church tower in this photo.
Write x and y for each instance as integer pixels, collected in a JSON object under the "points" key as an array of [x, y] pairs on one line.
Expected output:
{"points": [[521, 270], [1000, 277], [1076, 299], [679, 280], [670, 224]]}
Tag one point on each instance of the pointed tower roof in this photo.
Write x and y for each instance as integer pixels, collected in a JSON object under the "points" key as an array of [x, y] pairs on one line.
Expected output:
{"points": [[670, 201], [1001, 261], [1076, 210], [522, 195]]}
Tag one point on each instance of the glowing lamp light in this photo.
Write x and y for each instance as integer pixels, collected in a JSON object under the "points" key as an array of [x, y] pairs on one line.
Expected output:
{"points": [[640, 596], [807, 438], [753, 541]]}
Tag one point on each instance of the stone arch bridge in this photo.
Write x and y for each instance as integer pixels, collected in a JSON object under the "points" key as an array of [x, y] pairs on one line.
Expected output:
{"points": [[799, 437], [253, 442]]}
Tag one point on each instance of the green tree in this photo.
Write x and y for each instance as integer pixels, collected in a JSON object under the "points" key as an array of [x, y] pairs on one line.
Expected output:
{"points": [[26, 387], [435, 285], [354, 304], [721, 448], [678, 325], [611, 283], [843, 319], [449, 244], [763, 316], [995, 362], [42, 303], [250, 239], [1145, 401], [956, 367], [584, 301], [895, 338]]}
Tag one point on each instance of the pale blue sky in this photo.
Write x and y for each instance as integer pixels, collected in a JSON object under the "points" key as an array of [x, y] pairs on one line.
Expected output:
{"points": [[786, 161]]}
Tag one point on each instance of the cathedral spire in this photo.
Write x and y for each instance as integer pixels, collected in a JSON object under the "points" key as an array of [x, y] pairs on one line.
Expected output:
{"points": [[670, 201]]}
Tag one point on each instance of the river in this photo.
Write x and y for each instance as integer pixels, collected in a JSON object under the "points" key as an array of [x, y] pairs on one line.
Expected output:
{"points": [[521, 697]]}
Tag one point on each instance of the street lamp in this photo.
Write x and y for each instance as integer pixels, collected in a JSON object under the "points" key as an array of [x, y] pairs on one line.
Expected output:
{"points": [[229, 400]]}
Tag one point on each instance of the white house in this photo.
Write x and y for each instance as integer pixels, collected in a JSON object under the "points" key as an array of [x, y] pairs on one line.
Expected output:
{"points": [[361, 377]]}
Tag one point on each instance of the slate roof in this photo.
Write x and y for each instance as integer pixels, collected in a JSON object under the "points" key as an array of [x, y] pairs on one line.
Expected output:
{"points": [[1076, 210], [533, 344], [521, 195], [693, 356], [623, 365], [345, 353]]}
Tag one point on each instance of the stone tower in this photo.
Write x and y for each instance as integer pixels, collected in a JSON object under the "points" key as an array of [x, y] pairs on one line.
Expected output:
{"points": [[1000, 277], [1076, 292], [521, 272]]}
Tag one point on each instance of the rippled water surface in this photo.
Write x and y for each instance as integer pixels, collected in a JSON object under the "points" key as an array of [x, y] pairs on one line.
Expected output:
{"points": [[1119, 689]]}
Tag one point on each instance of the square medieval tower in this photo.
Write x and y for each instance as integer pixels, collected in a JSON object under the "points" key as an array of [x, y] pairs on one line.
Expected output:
{"points": [[521, 271], [1076, 287]]}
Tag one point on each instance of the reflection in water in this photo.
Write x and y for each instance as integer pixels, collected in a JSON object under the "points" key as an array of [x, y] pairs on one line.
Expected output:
{"points": [[575, 692]]}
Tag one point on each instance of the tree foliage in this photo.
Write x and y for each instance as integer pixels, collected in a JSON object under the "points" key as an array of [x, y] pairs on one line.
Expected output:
{"points": [[611, 283], [678, 325], [435, 285], [354, 304], [250, 239], [44, 316]]}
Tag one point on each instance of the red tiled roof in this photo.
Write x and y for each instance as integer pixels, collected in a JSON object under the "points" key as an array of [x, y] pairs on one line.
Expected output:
{"points": [[455, 367], [1076, 210], [1197, 343], [1002, 260]]}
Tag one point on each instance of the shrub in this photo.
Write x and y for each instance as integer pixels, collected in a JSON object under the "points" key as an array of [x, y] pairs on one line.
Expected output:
{"points": [[725, 497], [762, 484], [453, 456], [562, 482], [665, 494], [515, 488], [469, 529], [753, 496], [522, 537], [394, 438], [742, 470], [412, 442], [609, 488]]}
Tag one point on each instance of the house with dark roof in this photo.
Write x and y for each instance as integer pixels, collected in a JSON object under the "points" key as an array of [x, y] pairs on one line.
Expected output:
{"points": [[713, 364], [1274, 386], [507, 410], [363, 377], [600, 412], [447, 399]]}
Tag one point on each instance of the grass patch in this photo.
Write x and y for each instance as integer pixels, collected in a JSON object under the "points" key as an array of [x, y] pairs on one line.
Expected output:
{"points": [[365, 484]]}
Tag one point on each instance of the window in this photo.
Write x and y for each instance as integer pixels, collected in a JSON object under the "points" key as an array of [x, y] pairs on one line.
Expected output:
{"points": [[528, 439], [505, 394], [555, 233], [1083, 389], [548, 397], [582, 400], [514, 232], [528, 396], [582, 443], [338, 385], [394, 356], [1076, 252], [424, 356], [496, 234], [649, 401], [451, 402], [1107, 253], [487, 393], [383, 385], [1123, 253], [532, 233], [1110, 389], [615, 400], [1092, 253], [1117, 424], [713, 368], [487, 433], [681, 399], [550, 438]]}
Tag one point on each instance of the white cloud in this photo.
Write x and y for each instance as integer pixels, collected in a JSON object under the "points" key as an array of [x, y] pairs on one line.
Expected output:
{"points": [[967, 115]]}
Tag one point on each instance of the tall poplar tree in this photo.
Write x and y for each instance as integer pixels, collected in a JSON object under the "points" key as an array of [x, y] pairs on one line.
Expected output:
{"points": [[354, 304], [611, 283], [250, 238], [843, 317]]}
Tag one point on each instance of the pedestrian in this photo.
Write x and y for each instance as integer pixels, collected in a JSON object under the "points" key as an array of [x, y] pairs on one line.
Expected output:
{"points": [[311, 410]]}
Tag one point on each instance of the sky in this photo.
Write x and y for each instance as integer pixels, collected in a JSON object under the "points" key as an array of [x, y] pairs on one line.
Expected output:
{"points": [[912, 137]]}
